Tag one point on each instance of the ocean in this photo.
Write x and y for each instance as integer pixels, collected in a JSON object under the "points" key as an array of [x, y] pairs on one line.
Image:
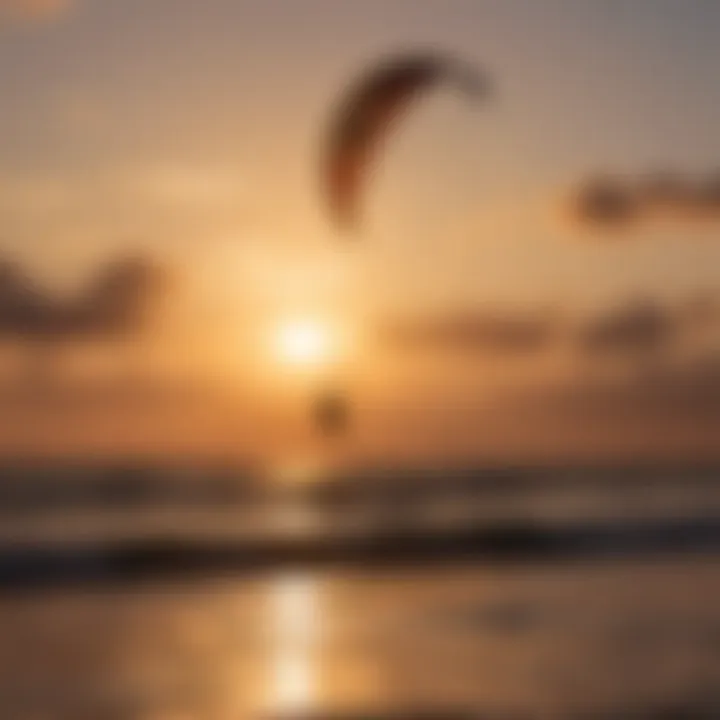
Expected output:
{"points": [[631, 632]]}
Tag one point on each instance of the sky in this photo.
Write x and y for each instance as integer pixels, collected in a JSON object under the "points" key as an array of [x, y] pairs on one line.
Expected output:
{"points": [[189, 134]]}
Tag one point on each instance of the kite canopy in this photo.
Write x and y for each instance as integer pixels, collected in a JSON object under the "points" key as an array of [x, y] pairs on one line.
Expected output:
{"points": [[367, 115]]}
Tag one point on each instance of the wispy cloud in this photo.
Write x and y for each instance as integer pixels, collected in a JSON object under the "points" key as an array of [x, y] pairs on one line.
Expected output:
{"points": [[155, 200], [617, 202], [637, 328], [484, 332]]}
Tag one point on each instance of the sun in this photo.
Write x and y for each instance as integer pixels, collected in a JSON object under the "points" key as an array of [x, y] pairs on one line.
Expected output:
{"points": [[304, 342]]}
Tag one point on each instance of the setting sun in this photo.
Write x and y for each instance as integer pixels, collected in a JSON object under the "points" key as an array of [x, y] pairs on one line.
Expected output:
{"points": [[304, 342]]}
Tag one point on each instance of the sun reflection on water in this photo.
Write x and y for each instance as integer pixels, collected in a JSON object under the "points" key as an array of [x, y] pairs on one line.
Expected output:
{"points": [[294, 618]]}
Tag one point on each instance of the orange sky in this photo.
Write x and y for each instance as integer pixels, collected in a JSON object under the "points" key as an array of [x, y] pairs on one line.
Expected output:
{"points": [[189, 133]]}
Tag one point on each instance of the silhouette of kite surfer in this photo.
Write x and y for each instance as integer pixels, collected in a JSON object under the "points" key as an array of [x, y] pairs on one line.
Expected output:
{"points": [[331, 411]]}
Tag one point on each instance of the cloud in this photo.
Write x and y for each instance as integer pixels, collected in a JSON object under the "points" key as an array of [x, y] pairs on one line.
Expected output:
{"points": [[644, 329], [640, 328], [118, 303], [490, 332], [615, 202], [32, 9]]}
